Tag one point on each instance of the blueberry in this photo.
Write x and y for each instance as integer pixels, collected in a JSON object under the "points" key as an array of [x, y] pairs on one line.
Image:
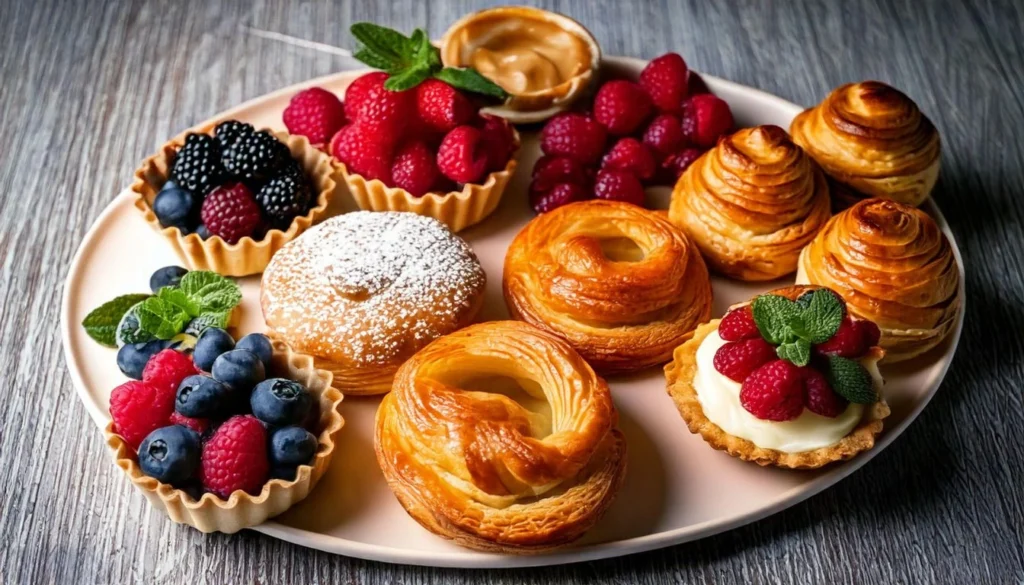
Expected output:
{"points": [[280, 402], [132, 357], [175, 207], [239, 368], [211, 344], [203, 232], [170, 454], [166, 276], [259, 344], [202, 397], [291, 446], [286, 473]]}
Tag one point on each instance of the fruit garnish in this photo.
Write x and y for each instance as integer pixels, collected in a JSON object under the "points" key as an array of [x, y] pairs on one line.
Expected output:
{"points": [[461, 156], [622, 106], [235, 457], [197, 165], [280, 402], [101, 323], [737, 359], [409, 61], [631, 155], [414, 168], [314, 113], [774, 391], [170, 454], [664, 135], [574, 135], [704, 118], [738, 324], [557, 196], [819, 397], [622, 186], [666, 80]]}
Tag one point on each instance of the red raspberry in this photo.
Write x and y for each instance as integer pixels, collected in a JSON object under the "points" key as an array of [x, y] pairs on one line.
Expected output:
{"points": [[365, 149], [499, 142], [574, 135], [235, 457], [775, 391], [414, 168], [557, 196], [314, 113], [695, 85], [139, 408], [819, 397], [665, 80], [165, 370], [461, 156], [444, 185], [619, 186], [737, 359], [366, 99], [676, 164], [705, 118], [869, 331], [738, 324], [622, 106], [550, 170], [441, 107], [230, 211], [664, 135], [629, 154], [848, 341], [198, 425]]}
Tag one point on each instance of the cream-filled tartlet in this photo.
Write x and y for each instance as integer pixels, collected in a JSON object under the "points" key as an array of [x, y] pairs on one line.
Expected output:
{"points": [[789, 379]]}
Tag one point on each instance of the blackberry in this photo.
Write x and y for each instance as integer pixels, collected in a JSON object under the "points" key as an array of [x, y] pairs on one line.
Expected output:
{"points": [[197, 166], [255, 157], [229, 131], [283, 198]]}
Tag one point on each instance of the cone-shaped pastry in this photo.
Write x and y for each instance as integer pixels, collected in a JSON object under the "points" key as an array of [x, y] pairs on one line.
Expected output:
{"points": [[873, 141], [752, 203], [893, 266]]}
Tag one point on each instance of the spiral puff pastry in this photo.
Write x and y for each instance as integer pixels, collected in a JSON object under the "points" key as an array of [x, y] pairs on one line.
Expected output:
{"points": [[752, 203], [893, 266], [620, 283], [873, 141], [479, 468]]}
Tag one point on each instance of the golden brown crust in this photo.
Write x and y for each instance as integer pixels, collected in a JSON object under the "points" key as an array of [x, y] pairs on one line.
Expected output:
{"points": [[873, 141], [752, 203], [621, 315], [679, 374], [894, 266], [479, 468]]}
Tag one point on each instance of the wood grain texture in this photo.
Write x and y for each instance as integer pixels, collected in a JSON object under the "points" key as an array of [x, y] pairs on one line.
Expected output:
{"points": [[88, 88]]}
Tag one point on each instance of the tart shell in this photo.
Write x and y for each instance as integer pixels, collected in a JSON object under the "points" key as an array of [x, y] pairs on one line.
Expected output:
{"points": [[243, 510]]}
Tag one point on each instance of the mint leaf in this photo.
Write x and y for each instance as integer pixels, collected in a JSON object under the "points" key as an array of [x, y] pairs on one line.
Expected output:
{"points": [[470, 80], [101, 323], [376, 61], [798, 352], [408, 78], [387, 49], [129, 331], [821, 316], [850, 380], [206, 320], [773, 315], [211, 291], [178, 297], [161, 318]]}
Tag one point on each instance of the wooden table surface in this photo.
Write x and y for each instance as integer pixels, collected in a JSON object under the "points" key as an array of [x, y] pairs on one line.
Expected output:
{"points": [[89, 88]]}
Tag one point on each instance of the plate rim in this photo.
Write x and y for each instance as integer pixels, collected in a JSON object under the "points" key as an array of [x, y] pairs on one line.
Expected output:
{"points": [[477, 560]]}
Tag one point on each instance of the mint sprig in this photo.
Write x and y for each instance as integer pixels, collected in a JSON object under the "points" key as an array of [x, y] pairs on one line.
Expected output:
{"points": [[101, 323], [794, 326], [409, 61], [850, 380]]}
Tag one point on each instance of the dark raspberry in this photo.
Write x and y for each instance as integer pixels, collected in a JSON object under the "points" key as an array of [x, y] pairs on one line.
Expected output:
{"points": [[197, 166], [229, 131], [283, 198], [819, 397], [255, 157]]}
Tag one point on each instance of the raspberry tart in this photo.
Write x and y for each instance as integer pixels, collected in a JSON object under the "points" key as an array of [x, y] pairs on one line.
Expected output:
{"points": [[789, 379]]}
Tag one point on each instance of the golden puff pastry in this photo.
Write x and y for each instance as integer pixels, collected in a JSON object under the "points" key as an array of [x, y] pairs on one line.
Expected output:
{"points": [[620, 283], [364, 291], [752, 203], [893, 266], [475, 466], [873, 141]]}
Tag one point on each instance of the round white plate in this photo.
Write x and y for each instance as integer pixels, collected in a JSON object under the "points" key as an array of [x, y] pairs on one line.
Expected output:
{"points": [[677, 488]]}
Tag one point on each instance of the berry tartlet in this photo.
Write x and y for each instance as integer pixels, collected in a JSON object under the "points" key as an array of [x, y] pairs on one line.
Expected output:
{"points": [[225, 450], [228, 196], [789, 379]]}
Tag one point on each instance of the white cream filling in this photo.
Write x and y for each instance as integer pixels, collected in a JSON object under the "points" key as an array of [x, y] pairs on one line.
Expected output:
{"points": [[720, 398]]}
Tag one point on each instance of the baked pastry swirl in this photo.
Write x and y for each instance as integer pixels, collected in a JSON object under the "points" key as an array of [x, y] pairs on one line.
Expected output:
{"points": [[894, 266], [486, 471], [620, 283], [363, 291], [752, 203], [873, 141]]}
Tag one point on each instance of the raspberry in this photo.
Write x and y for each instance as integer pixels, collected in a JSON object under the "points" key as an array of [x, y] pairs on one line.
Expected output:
{"points": [[557, 196], [737, 359], [165, 370], [665, 80], [231, 213], [364, 149], [848, 341], [619, 186], [664, 135], [235, 457], [414, 168], [738, 324], [574, 135], [461, 156], [550, 170], [229, 131], [774, 391], [314, 113], [283, 198], [139, 408], [819, 397], [629, 154], [676, 164], [705, 118], [366, 99], [198, 425], [441, 107], [197, 166], [499, 142], [869, 331], [622, 106], [695, 85], [255, 157]]}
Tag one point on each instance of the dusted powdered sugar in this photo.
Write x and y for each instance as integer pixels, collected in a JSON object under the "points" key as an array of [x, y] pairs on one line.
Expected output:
{"points": [[368, 287]]}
